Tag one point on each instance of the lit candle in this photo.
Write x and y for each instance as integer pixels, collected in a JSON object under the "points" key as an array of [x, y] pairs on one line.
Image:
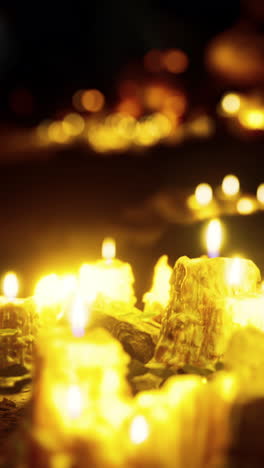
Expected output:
{"points": [[108, 280], [80, 394], [157, 298], [18, 325]]}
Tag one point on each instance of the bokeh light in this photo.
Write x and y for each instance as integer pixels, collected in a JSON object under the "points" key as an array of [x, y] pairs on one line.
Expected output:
{"points": [[252, 119], [204, 194], [73, 124], [246, 205], [175, 61], [153, 61], [230, 185], [260, 193], [231, 103], [93, 100], [56, 133]]}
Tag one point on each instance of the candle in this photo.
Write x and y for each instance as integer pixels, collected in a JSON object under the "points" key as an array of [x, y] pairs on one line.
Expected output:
{"points": [[52, 294], [108, 280], [80, 394], [203, 311], [18, 325], [157, 298]]}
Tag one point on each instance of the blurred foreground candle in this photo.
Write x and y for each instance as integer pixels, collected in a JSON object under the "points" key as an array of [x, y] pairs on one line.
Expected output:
{"points": [[108, 280], [52, 295], [157, 298], [80, 396], [209, 299], [18, 325]]}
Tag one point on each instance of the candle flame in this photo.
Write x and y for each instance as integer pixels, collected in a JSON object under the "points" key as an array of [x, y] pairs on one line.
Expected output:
{"points": [[214, 237], [234, 275], [160, 290], [79, 317], [10, 285], [109, 249], [74, 401], [139, 430]]}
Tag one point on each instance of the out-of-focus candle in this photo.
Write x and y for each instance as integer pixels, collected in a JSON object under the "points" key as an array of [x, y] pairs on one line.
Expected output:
{"points": [[18, 325], [109, 279], [214, 236], [204, 194], [157, 298], [230, 185]]}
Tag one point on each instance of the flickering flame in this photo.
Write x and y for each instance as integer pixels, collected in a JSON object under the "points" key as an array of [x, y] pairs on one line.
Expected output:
{"points": [[160, 290], [109, 249], [139, 430], [231, 103], [204, 194], [234, 274], [79, 317], [74, 402], [260, 193], [230, 185], [10, 285], [214, 237]]}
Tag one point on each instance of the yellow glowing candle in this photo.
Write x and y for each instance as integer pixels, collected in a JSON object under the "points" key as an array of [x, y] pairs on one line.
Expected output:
{"points": [[214, 238], [157, 298], [108, 280], [230, 185]]}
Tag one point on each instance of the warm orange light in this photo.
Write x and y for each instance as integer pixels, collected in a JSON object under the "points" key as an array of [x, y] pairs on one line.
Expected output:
{"points": [[260, 193], [77, 100], [175, 61], [231, 103], [230, 185], [109, 248], [246, 206], [234, 274], [93, 100], [153, 61], [79, 317], [252, 119], [204, 194], [139, 430], [74, 402], [56, 133], [214, 237], [10, 285]]}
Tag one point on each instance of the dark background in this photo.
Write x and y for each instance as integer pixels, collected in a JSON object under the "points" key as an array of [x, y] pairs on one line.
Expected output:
{"points": [[58, 203]]}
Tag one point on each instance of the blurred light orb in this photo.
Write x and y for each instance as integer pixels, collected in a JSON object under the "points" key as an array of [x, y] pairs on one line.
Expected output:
{"points": [[139, 430], [260, 193], [77, 100], [204, 194], [56, 133], [93, 100], [252, 119], [231, 103], [175, 61], [73, 124], [153, 61], [230, 185], [246, 206]]}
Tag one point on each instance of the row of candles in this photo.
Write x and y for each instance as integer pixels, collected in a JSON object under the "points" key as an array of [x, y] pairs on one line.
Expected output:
{"points": [[83, 412]]}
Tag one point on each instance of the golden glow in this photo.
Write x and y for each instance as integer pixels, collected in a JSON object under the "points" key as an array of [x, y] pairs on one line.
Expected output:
{"points": [[246, 205], [160, 290], [79, 316], [109, 248], [56, 133], [139, 430], [260, 193], [253, 119], [53, 289], [73, 124], [93, 100], [175, 61], [230, 185], [10, 285], [204, 194], [231, 103], [214, 237], [234, 273], [74, 402]]}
